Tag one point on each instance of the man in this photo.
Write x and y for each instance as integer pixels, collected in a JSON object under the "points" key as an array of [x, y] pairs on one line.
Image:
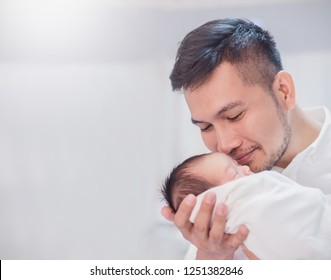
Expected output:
{"points": [[244, 104]]}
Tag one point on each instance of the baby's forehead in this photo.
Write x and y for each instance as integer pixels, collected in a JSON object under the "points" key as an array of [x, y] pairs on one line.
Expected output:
{"points": [[218, 157], [212, 161]]}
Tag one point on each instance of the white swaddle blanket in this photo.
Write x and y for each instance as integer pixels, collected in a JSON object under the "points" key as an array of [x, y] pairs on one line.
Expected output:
{"points": [[286, 220]]}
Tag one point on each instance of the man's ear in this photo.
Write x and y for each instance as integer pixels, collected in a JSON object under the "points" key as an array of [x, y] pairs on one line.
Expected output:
{"points": [[284, 89]]}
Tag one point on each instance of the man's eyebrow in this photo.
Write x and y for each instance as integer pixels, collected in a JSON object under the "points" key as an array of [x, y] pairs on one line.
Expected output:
{"points": [[229, 107], [223, 110], [196, 121]]}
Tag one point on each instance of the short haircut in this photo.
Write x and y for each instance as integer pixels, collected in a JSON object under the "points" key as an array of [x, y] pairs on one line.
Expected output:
{"points": [[182, 182], [240, 42]]}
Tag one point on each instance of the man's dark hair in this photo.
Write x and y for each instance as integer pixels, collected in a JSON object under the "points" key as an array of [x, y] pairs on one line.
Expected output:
{"points": [[240, 42], [182, 182]]}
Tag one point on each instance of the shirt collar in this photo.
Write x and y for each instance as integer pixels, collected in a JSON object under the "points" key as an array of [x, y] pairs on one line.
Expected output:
{"points": [[320, 114]]}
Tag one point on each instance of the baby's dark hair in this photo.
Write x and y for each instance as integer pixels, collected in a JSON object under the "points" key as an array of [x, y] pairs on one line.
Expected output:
{"points": [[182, 182]]}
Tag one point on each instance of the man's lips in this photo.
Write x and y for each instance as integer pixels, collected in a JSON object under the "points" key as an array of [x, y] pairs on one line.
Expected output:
{"points": [[244, 158]]}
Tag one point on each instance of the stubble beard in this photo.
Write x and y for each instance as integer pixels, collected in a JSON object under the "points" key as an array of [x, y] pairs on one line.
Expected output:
{"points": [[275, 157]]}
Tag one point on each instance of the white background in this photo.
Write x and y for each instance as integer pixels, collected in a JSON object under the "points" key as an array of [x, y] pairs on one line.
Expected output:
{"points": [[89, 126]]}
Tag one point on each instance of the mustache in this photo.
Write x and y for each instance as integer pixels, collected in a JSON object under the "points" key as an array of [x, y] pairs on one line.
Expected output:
{"points": [[240, 152]]}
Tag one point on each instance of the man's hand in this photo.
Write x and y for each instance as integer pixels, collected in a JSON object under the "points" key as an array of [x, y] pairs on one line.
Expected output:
{"points": [[249, 254], [207, 236]]}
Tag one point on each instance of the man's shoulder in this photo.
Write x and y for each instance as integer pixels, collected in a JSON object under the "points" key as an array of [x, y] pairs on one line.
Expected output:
{"points": [[320, 114]]}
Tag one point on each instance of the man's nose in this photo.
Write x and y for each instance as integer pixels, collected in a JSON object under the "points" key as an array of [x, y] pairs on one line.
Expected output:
{"points": [[227, 142]]}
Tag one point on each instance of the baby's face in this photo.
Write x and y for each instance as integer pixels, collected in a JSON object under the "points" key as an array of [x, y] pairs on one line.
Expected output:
{"points": [[219, 168]]}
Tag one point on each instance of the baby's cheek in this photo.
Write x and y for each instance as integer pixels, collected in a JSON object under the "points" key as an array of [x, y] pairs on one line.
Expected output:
{"points": [[231, 174]]}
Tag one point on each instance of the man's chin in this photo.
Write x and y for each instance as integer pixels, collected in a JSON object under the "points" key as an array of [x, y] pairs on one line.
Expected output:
{"points": [[259, 167]]}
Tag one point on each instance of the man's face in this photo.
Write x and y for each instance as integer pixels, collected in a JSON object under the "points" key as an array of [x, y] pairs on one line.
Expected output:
{"points": [[238, 119]]}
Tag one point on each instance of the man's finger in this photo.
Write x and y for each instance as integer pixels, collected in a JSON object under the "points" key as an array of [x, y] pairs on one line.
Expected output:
{"points": [[250, 255], [167, 213], [203, 219], [183, 214], [237, 239], [218, 225]]}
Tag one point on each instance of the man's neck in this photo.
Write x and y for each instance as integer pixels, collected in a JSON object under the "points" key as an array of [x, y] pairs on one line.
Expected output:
{"points": [[305, 130]]}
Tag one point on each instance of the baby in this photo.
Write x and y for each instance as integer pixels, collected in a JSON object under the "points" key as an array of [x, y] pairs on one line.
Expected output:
{"points": [[286, 220], [200, 173]]}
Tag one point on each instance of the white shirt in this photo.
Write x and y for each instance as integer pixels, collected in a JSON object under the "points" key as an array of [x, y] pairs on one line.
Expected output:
{"points": [[312, 167]]}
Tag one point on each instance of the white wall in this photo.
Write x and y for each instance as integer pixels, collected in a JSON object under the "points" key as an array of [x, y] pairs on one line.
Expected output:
{"points": [[84, 149], [312, 74], [89, 127]]}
